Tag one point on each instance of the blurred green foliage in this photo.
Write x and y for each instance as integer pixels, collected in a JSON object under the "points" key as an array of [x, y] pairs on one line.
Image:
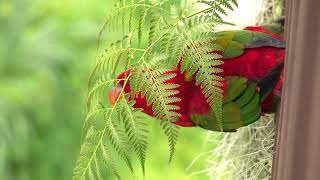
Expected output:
{"points": [[47, 49]]}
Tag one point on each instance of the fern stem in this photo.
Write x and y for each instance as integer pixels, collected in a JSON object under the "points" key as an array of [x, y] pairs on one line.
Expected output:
{"points": [[137, 49], [202, 11]]}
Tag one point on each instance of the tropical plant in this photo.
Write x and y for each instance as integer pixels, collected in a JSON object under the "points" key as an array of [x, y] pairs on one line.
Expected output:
{"points": [[157, 36]]}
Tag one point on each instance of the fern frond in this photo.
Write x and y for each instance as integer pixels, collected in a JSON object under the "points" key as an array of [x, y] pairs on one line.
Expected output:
{"points": [[108, 160], [156, 60], [97, 168], [199, 61], [91, 115], [111, 57], [142, 15], [172, 44], [135, 127], [88, 157], [217, 8], [119, 141], [200, 24], [130, 9], [98, 89], [153, 85], [154, 24], [182, 34], [83, 160], [171, 131]]}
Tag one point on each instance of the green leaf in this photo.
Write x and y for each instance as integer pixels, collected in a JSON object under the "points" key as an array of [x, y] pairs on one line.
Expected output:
{"points": [[135, 127]]}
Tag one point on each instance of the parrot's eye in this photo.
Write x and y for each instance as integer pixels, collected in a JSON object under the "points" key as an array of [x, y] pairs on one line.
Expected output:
{"points": [[188, 76], [114, 94]]}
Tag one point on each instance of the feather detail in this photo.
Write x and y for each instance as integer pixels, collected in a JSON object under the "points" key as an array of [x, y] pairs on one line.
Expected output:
{"points": [[235, 43], [242, 100], [242, 106]]}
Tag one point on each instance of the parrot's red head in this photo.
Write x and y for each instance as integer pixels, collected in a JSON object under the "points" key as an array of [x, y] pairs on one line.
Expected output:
{"points": [[115, 91], [114, 94]]}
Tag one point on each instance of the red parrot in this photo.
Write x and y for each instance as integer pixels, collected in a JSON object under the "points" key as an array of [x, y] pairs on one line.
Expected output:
{"points": [[252, 69]]}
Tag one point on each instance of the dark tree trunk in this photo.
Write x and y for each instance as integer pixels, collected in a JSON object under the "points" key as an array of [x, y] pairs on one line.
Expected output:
{"points": [[298, 137]]}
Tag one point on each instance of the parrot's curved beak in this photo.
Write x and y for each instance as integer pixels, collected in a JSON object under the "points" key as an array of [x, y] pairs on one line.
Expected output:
{"points": [[114, 94]]}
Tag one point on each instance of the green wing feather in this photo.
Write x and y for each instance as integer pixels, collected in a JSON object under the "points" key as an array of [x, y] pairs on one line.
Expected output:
{"points": [[243, 36], [275, 28], [242, 103], [236, 85], [241, 107], [235, 42], [262, 39], [231, 47]]}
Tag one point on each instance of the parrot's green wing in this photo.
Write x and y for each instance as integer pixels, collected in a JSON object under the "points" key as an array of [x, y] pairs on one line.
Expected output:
{"points": [[241, 107], [234, 43], [275, 28]]}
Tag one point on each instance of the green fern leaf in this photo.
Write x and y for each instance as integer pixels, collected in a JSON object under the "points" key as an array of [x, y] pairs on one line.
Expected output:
{"points": [[176, 32], [155, 18], [153, 86], [88, 155], [108, 160], [142, 16], [135, 128], [119, 142], [199, 61]]}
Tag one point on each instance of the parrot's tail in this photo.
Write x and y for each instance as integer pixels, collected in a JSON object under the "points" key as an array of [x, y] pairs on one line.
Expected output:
{"points": [[268, 92], [268, 83]]}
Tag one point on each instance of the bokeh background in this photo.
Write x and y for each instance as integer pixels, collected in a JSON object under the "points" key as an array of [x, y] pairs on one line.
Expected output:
{"points": [[47, 49]]}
